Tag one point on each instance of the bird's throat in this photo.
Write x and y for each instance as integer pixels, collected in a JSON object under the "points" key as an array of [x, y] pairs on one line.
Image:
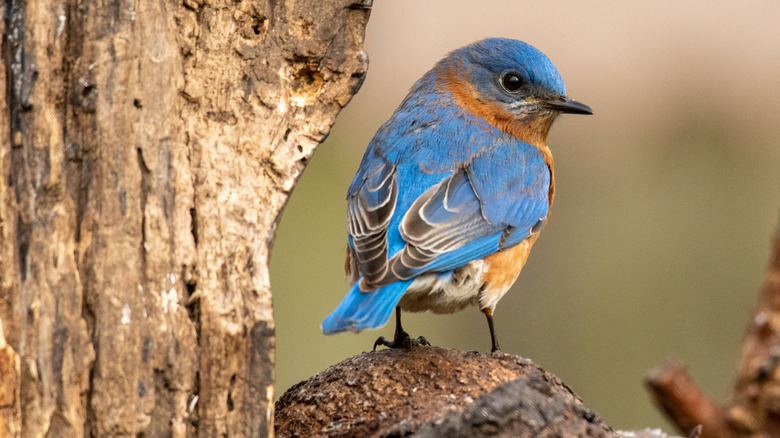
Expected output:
{"points": [[531, 128]]}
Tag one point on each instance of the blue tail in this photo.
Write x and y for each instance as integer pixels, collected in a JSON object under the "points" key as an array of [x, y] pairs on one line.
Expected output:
{"points": [[365, 310]]}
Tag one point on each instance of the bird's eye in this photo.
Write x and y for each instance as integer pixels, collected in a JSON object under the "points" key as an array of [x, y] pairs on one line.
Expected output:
{"points": [[511, 81]]}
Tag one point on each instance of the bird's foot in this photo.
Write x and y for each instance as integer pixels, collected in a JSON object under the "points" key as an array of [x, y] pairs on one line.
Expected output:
{"points": [[420, 340], [401, 340]]}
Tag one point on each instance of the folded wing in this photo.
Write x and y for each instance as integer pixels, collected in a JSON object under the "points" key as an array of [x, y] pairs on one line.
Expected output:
{"points": [[491, 203]]}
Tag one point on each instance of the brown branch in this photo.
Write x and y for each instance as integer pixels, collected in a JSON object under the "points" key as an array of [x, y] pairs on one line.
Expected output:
{"points": [[682, 400], [753, 409]]}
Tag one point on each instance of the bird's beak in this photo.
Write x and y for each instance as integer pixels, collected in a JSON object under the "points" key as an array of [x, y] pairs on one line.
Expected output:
{"points": [[567, 105]]}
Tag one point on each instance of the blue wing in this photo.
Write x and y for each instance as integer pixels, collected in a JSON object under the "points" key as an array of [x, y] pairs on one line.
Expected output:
{"points": [[494, 202], [406, 220]]}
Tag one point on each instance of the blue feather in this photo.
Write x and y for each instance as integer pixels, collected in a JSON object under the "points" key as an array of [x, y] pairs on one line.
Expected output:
{"points": [[474, 250], [365, 310]]}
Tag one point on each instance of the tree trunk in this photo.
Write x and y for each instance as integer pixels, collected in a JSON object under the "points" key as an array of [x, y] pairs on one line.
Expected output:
{"points": [[147, 150]]}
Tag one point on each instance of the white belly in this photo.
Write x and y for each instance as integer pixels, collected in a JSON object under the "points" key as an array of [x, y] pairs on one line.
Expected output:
{"points": [[446, 293]]}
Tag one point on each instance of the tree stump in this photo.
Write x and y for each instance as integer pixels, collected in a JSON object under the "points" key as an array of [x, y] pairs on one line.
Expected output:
{"points": [[147, 150], [434, 392]]}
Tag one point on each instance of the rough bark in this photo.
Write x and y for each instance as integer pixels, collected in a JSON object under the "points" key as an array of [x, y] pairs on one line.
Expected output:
{"points": [[433, 392], [147, 149], [753, 409], [10, 397]]}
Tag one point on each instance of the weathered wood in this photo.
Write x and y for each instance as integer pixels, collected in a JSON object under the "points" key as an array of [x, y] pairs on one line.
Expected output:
{"points": [[683, 401], [10, 384], [530, 406], [434, 392], [148, 149]]}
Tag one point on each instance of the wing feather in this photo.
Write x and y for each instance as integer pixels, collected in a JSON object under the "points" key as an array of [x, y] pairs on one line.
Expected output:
{"points": [[369, 211], [471, 213], [444, 218]]}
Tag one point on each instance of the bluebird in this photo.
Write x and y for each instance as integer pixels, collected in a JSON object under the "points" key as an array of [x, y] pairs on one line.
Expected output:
{"points": [[453, 190]]}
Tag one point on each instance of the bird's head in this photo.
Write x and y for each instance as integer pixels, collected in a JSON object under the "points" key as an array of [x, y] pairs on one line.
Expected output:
{"points": [[509, 83]]}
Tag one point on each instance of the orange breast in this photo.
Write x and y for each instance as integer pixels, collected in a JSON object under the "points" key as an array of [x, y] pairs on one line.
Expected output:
{"points": [[503, 267]]}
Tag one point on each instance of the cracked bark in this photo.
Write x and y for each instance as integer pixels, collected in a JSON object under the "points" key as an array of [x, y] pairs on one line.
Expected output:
{"points": [[434, 392], [148, 148]]}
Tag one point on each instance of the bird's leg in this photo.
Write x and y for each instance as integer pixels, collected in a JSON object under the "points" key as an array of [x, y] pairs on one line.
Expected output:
{"points": [[401, 339], [489, 314]]}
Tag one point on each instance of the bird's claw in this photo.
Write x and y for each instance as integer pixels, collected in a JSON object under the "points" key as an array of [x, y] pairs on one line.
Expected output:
{"points": [[401, 341], [420, 340], [382, 341]]}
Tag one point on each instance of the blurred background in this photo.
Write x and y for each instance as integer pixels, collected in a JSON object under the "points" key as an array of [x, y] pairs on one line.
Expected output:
{"points": [[667, 198]]}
